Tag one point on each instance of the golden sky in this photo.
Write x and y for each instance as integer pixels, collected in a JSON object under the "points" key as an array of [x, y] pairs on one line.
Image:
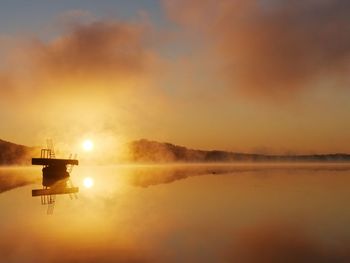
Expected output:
{"points": [[252, 76]]}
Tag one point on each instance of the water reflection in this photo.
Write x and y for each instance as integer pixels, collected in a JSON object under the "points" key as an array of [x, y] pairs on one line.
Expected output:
{"points": [[14, 177], [147, 175], [188, 213]]}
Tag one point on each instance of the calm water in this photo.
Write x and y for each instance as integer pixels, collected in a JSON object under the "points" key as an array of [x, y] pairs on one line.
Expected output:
{"points": [[188, 213]]}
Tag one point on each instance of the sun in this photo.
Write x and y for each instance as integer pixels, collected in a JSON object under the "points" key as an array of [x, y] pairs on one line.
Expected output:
{"points": [[88, 145], [88, 182]]}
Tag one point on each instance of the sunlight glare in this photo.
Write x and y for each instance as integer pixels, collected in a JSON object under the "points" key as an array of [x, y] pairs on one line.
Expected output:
{"points": [[88, 145], [88, 182]]}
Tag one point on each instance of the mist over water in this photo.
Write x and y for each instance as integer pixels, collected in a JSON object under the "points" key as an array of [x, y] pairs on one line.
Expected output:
{"points": [[181, 213]]}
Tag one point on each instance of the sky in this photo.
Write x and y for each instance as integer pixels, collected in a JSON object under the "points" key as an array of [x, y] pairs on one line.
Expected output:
{"points": [[259, 76]]}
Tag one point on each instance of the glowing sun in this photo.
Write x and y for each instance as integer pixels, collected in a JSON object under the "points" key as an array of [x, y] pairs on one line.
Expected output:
{"points": [[88, 182], [88, 145]]}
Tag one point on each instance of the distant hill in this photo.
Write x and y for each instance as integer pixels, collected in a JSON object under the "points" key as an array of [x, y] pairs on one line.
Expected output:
{"points": [[152, 151], [146, 151], [14, 154]]}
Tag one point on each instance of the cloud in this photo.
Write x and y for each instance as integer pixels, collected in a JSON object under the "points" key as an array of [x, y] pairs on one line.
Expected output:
{"points": [[104, 52], [73, 17], [89, 63], [271, 48], [91, 72]]}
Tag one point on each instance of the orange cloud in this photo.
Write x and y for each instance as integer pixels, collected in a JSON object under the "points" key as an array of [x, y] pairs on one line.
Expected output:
{"points": [[100, 48], [268, 48], [105, 52], [88, 74]]}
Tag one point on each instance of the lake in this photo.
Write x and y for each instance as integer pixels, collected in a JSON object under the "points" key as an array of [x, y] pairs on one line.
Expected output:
{"points": [[181, 213]]}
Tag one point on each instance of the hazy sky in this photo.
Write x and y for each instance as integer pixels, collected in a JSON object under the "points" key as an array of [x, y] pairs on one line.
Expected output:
{"points": [[263, 76]]}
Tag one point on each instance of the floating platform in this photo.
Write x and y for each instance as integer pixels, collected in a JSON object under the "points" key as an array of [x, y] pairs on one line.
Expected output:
{"points": [[53, 191], [54, 162]]}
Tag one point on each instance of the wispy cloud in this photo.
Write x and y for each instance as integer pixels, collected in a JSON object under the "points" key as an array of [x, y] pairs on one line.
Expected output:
{"points": [[99, 52], [89, 73], [269, 48]]}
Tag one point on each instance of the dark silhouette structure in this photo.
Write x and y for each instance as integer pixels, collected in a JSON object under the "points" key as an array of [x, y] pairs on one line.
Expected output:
{"points": [[56, 177]]}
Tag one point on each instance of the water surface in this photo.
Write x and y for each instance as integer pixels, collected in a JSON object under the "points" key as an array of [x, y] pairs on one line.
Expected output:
{"points": [[181, 213]]}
